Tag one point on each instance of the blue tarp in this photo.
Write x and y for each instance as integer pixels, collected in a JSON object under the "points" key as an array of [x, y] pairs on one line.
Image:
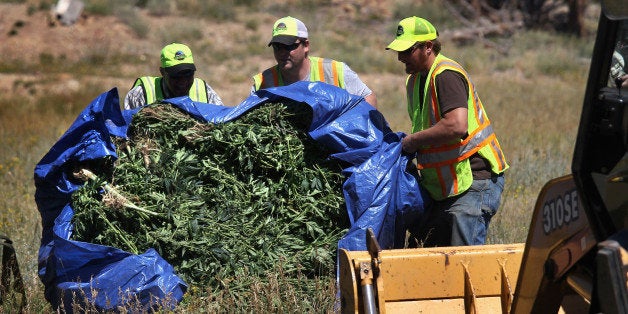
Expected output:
{"points": [[376, 189]]}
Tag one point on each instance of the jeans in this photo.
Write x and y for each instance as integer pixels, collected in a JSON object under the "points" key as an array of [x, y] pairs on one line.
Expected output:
{"points": [[462, 219]]}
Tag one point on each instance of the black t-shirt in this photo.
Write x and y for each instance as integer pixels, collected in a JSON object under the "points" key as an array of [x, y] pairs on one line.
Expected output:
{"points": [[453, 91]]}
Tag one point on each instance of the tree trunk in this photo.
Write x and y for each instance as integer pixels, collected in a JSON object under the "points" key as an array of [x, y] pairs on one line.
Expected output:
{"points": [[575, 23]]}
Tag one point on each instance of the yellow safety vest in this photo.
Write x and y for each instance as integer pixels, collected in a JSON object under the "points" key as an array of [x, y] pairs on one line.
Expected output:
{"points": [[321, 70], [445, 169], [153, 89]]}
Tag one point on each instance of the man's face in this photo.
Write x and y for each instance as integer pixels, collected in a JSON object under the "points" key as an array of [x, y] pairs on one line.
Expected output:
{"points": [[415, 58], [179, 84], [290, 57]]}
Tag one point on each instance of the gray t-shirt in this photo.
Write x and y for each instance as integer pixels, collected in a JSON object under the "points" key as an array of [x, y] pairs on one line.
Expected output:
{"points": [[354, 84], [136, 98]]}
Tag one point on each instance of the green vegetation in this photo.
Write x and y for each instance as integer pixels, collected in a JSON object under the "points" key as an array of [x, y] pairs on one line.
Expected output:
{"points": [[532, 89], [217, 200]]}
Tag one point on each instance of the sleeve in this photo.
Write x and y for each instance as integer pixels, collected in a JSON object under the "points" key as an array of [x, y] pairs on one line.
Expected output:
{"points": [[212, 96], [452, 90], [134, 98], [353, 84]]}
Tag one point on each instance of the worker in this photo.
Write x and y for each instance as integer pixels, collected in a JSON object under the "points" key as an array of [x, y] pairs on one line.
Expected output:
{"points": [[460, 161], [177, 79], [618, 73], [291, 48]]}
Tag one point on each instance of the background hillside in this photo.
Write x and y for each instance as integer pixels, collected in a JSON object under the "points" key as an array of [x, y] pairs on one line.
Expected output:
{"points": [[114, 42], [531, 81]]}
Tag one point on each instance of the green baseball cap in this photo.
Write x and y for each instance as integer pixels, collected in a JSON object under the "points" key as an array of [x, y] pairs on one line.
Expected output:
{"points": [[287, 29], [177, 59], [411, 30]]}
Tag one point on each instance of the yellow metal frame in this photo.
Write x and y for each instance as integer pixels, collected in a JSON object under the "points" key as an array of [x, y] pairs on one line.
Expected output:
{"points": [[551, 252], [470, 279]]}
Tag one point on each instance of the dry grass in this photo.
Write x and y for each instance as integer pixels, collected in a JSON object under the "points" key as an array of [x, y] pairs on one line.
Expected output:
{"points": [[533, 96]]}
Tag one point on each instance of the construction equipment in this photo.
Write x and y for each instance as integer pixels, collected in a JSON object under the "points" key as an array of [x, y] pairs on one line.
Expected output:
{"points": [[574, 259]]}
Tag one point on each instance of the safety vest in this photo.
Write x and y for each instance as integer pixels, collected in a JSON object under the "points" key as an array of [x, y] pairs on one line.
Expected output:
{"points": [[153, 89], [445, 169], [321, 70]]}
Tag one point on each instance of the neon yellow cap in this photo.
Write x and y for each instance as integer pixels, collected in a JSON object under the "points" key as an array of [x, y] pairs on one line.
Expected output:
{"points": [[411, 30], [287, 29], [176, 58]]}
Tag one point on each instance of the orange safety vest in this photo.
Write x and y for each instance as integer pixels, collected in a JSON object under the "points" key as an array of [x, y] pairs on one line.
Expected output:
{"points": [[445, 169], [321, 70]]}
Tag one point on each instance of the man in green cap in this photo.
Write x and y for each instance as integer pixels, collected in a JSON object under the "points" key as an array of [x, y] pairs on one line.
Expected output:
{"points": [[177, 79], [291, 48], [460, 161]]}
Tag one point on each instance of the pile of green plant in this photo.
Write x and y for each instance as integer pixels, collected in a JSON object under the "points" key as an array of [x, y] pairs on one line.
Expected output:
{"points": [[218, 201]]}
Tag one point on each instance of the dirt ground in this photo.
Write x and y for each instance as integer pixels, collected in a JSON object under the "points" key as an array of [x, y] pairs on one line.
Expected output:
{"points": [[28, 38]]}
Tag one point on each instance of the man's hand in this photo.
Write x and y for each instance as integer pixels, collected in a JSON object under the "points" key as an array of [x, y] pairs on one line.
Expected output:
{"points": [[624, 80], [407, 144]]}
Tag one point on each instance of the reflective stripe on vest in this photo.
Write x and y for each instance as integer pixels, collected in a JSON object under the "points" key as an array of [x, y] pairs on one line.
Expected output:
{"points": [[148, 84], [328, 71], [153, 92], [446, 168], [269, 78], [447, 154], [198, 91], [321, 70]]}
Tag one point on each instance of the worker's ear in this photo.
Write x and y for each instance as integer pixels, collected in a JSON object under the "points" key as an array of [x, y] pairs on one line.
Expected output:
{"points": [[428, 46]]}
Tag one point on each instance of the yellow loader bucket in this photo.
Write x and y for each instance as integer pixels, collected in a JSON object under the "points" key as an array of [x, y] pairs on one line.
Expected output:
{"points": [[465, 279]]}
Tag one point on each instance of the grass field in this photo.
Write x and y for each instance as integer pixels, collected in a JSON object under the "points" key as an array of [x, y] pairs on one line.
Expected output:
{"points": [[533, 96]]}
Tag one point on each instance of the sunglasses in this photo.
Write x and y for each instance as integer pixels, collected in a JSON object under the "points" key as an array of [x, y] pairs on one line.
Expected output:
{"points": [[278, 46], [413, 48]]}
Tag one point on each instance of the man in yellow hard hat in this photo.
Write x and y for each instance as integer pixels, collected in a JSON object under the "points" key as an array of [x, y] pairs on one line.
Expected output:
{"points": [[177, 79], [291, 48], [460, 161]]}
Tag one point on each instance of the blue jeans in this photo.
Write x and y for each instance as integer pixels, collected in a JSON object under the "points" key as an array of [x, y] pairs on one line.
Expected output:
{"points": [[462, 219]]}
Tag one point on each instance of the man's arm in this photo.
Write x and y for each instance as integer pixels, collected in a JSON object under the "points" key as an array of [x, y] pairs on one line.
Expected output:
{"points": [[354, 85], [452, 98], [452, 127], [371, 99], [134, 98], [212, 96]]}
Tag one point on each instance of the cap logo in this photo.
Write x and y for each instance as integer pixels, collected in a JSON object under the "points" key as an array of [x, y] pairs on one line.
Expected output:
{"points": [[179, 55], [281, 27], [399, 30]]}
